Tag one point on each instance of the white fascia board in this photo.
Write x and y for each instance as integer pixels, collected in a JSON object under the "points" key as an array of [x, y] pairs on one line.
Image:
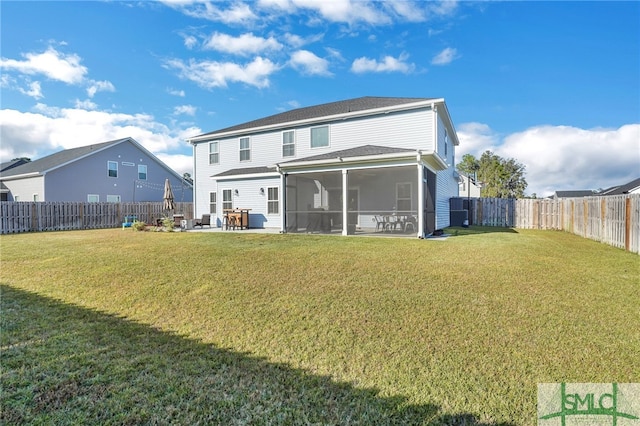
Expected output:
{"points": [[246, 176], [22, 176], [335, 117], [441, 102]]}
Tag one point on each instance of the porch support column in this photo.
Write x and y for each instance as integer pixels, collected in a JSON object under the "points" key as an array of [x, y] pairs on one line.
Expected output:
{"points": [[345, 202], [421, 200], [283, 203]]}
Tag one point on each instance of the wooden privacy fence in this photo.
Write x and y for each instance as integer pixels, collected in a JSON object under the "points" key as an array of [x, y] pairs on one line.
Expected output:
{"points": [[63, 216], [613, 220]]}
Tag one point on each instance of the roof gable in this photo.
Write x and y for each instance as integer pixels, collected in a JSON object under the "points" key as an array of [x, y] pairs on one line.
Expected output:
{"points": [[60, 158], [317, 111]]}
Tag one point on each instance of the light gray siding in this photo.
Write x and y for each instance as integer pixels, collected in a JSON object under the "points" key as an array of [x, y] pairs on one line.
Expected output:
{"points": [[24, 189], [404, 129]]}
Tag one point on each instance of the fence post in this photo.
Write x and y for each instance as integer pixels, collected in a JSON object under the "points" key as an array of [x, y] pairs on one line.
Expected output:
{"points": [[627, 224]]}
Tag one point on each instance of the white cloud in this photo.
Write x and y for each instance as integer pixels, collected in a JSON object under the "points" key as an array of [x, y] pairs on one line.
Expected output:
{"points": [[237, 13], [176, 92], [297, 41], [308, 63], [388, 64], [99, 86], [211, 74], [185, 110], [86, 104], [190, 41], [561, 157], [51, 63], [246, 44], [34, 90], [406, 10], [50, 129], [445, 57]]}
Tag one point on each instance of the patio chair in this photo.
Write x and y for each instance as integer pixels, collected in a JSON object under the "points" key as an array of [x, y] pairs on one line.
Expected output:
{"points": [[379, 222], [129, 221], [410, 224], [205, 220]]}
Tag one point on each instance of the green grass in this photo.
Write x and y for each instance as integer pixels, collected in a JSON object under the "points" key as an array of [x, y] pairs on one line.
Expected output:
{"points": [[124, 327]]}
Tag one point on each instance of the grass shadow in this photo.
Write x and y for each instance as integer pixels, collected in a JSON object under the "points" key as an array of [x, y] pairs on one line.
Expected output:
{"points": [[64, 364], [458, 231]]}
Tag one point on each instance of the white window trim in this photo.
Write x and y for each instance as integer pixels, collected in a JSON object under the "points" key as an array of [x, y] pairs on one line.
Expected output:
{"points": [[240, 149], [93, 195], [277, 201], [146, 174], [215, 202], [328, 137], [119, 199], [217, 145], [294, 143], [223, 201], [109, 169]]}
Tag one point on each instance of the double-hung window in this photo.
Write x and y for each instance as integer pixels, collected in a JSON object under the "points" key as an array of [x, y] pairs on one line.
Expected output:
{"points": [[289, 143], [273, 200], [142, 172], [112, 168], [214, 152], [245, 149], [403, 197], [213, 204], [227, 199], [319, 136]]}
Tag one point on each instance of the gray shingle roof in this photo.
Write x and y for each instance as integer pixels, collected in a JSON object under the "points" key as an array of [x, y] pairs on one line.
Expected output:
{"points": [[11, 164], [622, 189], [317, 111], [575, 193], [246, 171], [360, 151], [57, 159]]}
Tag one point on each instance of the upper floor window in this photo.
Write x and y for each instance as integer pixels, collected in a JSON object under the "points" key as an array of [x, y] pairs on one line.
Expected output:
{"points": [[113, 198], [112, 167], [319, 136], [214, 152], [289, 143], [245, 149], [142, 172], [93, 198]]}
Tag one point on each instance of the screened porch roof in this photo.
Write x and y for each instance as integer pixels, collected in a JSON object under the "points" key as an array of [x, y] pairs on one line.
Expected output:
{"points": [[363, 155]]}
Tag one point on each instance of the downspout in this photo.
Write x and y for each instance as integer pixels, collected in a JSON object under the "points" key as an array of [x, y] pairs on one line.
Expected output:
{"points": [[283, 200]]}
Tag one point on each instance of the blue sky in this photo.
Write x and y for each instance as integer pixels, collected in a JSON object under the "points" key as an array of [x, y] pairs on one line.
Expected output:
{"points": [[555, 85]]}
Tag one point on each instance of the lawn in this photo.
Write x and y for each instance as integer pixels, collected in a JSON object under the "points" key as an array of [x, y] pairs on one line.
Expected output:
{"points": [[125, 327]]}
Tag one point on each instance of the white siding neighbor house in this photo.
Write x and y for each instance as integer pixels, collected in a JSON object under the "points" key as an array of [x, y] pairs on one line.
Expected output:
{"points": [[361, 165]]}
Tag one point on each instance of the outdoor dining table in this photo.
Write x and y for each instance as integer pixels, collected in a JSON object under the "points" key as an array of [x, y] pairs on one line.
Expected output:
{"points": [[240, 217]]}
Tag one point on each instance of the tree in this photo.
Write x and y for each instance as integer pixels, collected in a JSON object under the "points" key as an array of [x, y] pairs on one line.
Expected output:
{"points": [[27, 159], [187, 177], [501, 178]]}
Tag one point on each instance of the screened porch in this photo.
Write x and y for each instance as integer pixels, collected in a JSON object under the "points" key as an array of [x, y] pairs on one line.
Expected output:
{"points": [[381, 200]]}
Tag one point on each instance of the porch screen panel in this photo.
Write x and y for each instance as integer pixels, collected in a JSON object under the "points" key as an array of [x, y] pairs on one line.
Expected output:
{"points": [[314, 202]]}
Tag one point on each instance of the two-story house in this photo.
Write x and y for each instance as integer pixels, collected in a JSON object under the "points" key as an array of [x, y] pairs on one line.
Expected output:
{"points": [[121, 170], [371, 164]]}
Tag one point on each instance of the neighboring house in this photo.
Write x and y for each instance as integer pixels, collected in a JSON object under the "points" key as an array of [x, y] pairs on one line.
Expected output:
{"points": [[469, 188], [574, 194], [344, 166], [116, 171], [632, 187]]}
